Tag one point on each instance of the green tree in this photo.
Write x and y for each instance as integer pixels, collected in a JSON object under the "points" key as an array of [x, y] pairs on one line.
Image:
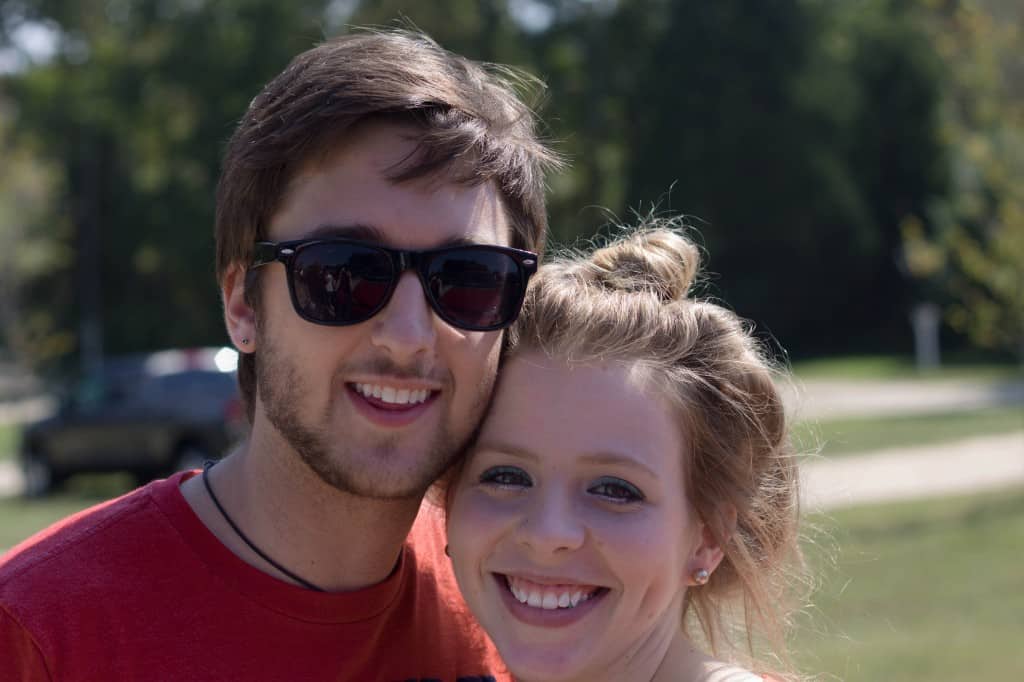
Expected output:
{"points": [[34, 236], [801, 133], [974, 251], [135, 108]]}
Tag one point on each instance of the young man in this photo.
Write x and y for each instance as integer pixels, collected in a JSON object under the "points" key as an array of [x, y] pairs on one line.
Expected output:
{"points": [[374, 212]]}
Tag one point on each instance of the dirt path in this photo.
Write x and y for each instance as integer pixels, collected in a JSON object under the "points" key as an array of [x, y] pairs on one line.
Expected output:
{"points": [[832, 399], [961, 466], [26, 410], [901, 473], [885, 475], [10, 479]]}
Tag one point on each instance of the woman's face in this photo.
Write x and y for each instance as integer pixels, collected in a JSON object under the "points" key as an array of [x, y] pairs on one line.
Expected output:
{"points": [[569, 530]]}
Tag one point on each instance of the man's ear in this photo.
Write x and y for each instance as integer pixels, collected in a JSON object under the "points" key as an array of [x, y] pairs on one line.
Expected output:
{"points": [[239, 317]]}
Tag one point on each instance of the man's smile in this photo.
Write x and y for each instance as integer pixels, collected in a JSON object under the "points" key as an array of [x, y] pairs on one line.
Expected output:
{"points": [[394, 403]]}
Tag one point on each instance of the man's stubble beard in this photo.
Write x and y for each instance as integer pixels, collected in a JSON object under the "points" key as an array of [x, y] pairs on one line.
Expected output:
{"points": [[278, 387]]}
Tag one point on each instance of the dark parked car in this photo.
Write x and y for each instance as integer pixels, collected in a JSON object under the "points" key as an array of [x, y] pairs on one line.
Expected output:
{"points": [[148, 415]]}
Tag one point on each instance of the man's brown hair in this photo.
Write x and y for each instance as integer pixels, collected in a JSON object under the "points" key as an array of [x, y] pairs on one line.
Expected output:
{"points": [[474, 128]]}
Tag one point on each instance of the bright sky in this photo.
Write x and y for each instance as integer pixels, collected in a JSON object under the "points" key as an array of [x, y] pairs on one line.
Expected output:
{"points": [[31, 41]]}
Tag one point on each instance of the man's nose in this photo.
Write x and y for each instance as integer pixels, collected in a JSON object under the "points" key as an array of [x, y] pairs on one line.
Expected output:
{"points": [[406, 326]]}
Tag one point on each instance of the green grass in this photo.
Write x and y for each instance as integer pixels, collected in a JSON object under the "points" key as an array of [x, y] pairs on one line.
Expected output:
{"points": [[9, 435], [862, 434], [902, 367], [20, 518], [915, 591], [921, 591]]}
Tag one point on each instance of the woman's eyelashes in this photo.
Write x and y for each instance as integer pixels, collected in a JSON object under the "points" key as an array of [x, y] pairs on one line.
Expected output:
{"points": [[506, 477], [617, 490], [609, 488]]}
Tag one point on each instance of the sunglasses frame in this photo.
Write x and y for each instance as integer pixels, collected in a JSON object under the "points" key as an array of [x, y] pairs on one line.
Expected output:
{"points": [[285, 252]]}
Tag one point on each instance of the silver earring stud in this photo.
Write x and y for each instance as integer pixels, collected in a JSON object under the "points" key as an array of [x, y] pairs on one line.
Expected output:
{"points": [[700, 576], [245, 342]]}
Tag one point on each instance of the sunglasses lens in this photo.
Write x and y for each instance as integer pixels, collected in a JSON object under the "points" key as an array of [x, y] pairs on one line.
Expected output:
{"points": [[476, 288], [341, 283]]}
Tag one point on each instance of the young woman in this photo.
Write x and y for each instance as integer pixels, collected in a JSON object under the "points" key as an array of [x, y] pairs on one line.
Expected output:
{"points": [[631, 501]]}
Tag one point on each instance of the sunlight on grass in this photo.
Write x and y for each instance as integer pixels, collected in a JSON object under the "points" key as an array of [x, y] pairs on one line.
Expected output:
{"points": [[920, 591], [854, 367], [20, 518], [863, 434], [9, 435]]}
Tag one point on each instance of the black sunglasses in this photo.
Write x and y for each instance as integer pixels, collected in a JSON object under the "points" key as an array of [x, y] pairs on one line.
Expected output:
{"points": [[477, 287]]}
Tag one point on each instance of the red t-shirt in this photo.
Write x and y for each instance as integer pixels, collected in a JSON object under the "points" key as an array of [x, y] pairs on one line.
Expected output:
{"points": [[138, 589]]}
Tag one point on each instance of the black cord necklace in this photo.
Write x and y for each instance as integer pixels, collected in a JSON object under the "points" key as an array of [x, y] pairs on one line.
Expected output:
{"points": [[238, 531]]}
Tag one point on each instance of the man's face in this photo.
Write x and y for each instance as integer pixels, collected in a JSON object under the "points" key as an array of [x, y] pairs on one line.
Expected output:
{"points": [[378, 408]]}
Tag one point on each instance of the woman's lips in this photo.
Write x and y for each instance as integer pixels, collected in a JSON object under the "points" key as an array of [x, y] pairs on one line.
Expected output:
{"points": [[550, 604], [549, 596]]}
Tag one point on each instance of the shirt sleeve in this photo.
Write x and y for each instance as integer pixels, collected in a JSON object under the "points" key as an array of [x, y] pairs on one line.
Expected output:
{"points": [[20, 657]]}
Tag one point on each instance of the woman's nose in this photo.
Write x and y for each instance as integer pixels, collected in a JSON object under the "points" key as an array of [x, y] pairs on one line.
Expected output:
{"points": [[552, 524]]}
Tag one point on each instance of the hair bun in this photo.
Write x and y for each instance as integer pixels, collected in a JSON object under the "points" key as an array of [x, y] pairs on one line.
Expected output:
{"points": [[659, 260]]}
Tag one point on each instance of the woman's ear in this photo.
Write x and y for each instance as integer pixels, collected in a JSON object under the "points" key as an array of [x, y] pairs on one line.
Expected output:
{"points": [[239, 317], [708, 553]]}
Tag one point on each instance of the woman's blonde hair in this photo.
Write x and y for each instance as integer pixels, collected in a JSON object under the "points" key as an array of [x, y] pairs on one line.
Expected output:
{"points": [[631, 301]]}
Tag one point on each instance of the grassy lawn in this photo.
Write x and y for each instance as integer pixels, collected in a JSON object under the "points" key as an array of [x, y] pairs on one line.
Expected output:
{"points": [[921, 591], [902, 367], [915, 591], [20, 518], [861, 434], [9, 434]]}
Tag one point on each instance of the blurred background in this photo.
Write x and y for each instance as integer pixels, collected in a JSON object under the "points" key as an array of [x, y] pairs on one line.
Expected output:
{"points": [[855, 170]]}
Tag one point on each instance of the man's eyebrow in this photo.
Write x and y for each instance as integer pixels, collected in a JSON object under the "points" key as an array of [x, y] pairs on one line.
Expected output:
{"points": [[369, 233], [358, 231], [460, 241]]}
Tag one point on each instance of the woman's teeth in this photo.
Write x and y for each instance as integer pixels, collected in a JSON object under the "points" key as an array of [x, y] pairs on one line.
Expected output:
{"points": [[395, 396], [548, 597]]}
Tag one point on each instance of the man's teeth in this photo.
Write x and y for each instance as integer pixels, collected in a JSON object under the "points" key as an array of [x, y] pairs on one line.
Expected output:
{"points": [[395, 396], [549, 597]]}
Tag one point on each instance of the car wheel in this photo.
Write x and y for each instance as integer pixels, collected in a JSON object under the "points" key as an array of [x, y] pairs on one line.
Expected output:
{"points": [[39, 476], [191, 457]]}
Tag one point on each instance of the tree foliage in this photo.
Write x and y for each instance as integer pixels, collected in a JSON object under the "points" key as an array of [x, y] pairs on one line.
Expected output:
{"points": [[134, 109], [974, 252], [800, 134], [35, 236]]}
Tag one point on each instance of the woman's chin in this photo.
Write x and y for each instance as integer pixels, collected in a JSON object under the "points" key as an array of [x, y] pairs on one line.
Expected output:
{"points": [[529, 663], [553, 643]]}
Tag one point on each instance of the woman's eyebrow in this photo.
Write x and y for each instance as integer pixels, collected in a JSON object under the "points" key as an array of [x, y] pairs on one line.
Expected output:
{"points": [[605, 458], [617, 459], [508, 449]]}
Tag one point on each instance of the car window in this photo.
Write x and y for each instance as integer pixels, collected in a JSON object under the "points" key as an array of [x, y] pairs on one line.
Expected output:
{"points": [[193, 392], [97, 393], [197, 384]]}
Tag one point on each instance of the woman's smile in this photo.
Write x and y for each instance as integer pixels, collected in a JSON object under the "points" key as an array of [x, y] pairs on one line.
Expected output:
{"points": [[548, 596], [568, 533]]}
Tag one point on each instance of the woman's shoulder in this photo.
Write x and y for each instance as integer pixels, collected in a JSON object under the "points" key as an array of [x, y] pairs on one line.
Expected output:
{"points": [[729, 673]]}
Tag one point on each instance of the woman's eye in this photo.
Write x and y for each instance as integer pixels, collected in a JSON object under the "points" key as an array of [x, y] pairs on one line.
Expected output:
{"points": [[506, 477], [617, 490]]}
